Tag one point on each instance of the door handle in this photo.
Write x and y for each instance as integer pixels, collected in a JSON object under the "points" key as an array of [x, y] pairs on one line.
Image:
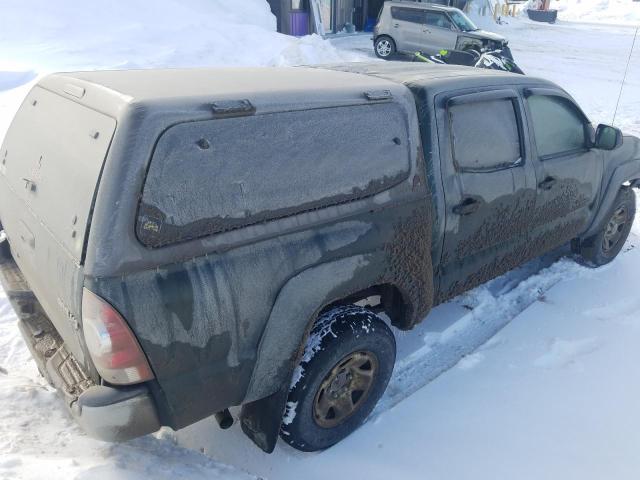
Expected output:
{"points": [[467, 207], [396, 25], [547, 183]]}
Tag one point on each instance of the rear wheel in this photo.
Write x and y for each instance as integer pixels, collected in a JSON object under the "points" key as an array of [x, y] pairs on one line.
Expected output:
{"points": [[385, 47], [605, 245], [345, 369]]}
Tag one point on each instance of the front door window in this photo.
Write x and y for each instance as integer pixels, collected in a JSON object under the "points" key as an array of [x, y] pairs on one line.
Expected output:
{"points": [[559, 128]]}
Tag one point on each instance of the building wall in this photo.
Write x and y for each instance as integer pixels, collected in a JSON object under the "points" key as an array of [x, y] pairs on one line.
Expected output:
{"points": [[342, 12], [281, 12]]}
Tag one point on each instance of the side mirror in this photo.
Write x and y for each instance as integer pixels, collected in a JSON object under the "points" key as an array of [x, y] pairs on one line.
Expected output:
{"points": [[607, 137]]}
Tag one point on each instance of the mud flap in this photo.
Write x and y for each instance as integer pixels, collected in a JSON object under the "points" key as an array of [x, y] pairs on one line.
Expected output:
{"points": [[260, 420]]}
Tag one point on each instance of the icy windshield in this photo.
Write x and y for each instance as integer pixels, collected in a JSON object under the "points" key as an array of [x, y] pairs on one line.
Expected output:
{"points": [[463, 22]]}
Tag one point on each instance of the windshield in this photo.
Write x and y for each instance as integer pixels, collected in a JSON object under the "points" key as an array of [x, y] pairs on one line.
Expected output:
{"points": [[463, 22]]}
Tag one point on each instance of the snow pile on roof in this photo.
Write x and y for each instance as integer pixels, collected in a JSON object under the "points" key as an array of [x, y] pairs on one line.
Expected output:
{"points": [[47, 36], [598, 11]]}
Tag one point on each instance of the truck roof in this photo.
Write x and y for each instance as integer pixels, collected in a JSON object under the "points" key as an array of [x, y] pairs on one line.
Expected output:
{"points": [[436, 76], [113, 92], [188, 82], [104, 90]]}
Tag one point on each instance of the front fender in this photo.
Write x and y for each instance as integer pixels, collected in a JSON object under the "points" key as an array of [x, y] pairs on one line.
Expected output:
{"points": [[621, 165]]}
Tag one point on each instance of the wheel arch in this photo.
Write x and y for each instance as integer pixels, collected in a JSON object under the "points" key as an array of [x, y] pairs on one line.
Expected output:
{"points": [[294, 314], [384, 298], [621, 168], [401, 268], [626, 175], [384, 35], [297, 307]]}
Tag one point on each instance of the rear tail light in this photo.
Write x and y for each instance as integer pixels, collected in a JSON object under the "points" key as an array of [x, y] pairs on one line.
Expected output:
{"points": [[113, 347]]}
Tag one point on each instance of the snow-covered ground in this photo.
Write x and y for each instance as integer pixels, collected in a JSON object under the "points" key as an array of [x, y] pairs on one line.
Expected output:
{"points": [[541, 378]]}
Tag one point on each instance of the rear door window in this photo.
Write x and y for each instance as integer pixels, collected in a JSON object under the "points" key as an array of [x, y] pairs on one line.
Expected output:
{"points": [[485, 135], [213, 176], [411, 15], [436, 19], [559, 127]]}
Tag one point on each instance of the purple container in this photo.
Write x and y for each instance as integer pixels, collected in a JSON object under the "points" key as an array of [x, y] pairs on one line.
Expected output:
{"points": [[299, 23]]}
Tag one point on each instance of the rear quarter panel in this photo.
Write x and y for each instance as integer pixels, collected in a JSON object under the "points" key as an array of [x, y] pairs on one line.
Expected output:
{"points": [[200, 309]]}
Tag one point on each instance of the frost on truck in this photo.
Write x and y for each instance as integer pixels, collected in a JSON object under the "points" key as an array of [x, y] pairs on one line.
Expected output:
{"points": [[210, 177]]}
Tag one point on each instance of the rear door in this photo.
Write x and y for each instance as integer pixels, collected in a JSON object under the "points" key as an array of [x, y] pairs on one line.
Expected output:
{"points": [[569, 171], [489, 185], [51, 160], [439, 32], [408, 28]]}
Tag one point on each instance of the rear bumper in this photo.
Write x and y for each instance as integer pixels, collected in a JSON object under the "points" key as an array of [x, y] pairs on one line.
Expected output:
{"points": [[116, 414], [112, 414]]}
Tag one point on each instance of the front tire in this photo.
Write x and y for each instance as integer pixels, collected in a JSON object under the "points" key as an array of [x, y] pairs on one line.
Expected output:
{"points": [[384, 47], [605, 245], [345, 369]]}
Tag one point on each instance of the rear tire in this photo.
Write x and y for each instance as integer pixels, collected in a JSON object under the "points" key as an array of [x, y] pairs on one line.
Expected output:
{"points": [[605, 245], [384, 47], [345, 369]]}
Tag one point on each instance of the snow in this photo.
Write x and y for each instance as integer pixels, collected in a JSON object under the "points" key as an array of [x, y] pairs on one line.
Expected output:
{"points": [[620, 12], [39, 37], [72, 35], [532, 375], [561, 353], [598, 11], [289, 413], [298, 374]]}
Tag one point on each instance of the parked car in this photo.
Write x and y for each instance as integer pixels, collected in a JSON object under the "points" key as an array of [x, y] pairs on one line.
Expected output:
{"points": [[406, 27], [184, 241]]}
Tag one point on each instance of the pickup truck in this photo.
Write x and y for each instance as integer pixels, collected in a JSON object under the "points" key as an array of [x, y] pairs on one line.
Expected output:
{"points": [[180, 242]]}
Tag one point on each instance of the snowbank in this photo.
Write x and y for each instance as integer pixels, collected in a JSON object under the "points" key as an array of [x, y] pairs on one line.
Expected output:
{"points": [[598, 11], [614, 12], [45, 36], [40, 36], [9, 80]]}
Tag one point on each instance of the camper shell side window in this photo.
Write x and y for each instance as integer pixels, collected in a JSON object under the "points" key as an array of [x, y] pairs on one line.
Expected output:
{"points": [[212, 176]]}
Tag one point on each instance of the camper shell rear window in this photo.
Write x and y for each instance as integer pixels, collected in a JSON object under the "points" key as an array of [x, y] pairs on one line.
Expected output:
{"points": [[212, 176]]}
